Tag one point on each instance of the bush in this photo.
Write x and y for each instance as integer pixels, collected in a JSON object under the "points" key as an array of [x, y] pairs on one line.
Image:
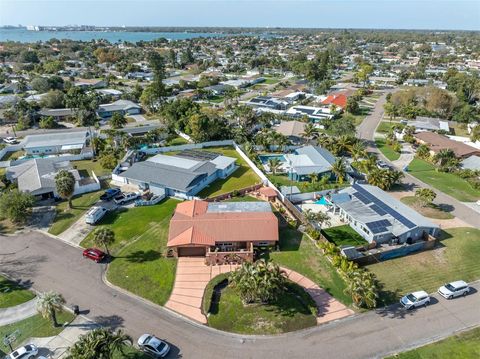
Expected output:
{"points": [[16, 205]]}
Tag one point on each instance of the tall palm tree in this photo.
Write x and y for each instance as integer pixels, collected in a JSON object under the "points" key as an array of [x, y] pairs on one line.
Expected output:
{"points": [[362, 287], [65, 185], [313, 178], [443, 157], [48, 304], [274, 165], [100, 343], [104, 237], [339, 170], [309, 132], [358, 151]]}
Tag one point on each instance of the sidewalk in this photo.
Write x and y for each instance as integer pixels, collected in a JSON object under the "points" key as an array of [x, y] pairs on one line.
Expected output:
{"points": [[18, 312], [57, 346]]}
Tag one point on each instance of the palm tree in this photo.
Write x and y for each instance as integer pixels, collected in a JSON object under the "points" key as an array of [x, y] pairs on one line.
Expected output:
{"points": [[104, 237], [319, 218], [443, 157], [100, 343], [339, 170], [358, 151], [48, 304], [65, 185], [313, 178], [258, 282], [274, 165], [362, 287], [309, 132], [376, 177], [118, 120]]}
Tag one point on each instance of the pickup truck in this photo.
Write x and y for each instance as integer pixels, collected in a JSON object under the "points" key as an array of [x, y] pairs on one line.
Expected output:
{"points": [[126, 197], [110, 194]]}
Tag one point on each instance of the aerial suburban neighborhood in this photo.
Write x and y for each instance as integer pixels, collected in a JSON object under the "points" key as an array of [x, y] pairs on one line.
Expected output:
{"points": [[238, 191]]}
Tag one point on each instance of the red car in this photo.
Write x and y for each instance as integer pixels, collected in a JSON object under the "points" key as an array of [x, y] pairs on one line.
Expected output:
{"points": [[94, 254]]}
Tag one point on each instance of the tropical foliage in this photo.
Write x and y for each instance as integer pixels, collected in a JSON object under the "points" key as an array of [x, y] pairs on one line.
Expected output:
{"points": [[100, 343], [65, 185], [104, 237], [48, 304]]}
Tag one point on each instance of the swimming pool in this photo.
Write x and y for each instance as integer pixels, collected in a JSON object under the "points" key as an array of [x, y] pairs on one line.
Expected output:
{"points": [[265, 158], [323, 201]]}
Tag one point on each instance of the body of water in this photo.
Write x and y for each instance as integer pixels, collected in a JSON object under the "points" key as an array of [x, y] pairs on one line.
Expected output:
{"points": [[22, 35]]}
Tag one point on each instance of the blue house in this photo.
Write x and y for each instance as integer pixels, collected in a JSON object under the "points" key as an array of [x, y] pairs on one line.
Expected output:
{"points": [[307, 160]]}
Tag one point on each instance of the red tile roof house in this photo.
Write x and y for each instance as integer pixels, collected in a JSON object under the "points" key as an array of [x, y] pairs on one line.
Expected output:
{"points": [[222, 232], [339, 100]]}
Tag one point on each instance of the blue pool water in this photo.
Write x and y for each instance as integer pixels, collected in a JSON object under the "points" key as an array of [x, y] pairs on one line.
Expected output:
{"points": [[264, 158], [322, 201]]}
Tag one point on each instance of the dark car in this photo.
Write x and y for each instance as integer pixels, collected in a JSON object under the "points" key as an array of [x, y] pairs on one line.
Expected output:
{"points": [[110, 194], [94, 254]]}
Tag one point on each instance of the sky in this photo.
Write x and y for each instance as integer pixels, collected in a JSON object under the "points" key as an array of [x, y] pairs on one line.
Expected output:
{"points": [[387, 14]]}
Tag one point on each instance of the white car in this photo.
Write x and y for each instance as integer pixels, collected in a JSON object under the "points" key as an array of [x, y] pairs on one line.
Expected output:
{"points": [[415, 299], [10, 140], [454, 289], [150, 344], [26, 352], [126, 197]]}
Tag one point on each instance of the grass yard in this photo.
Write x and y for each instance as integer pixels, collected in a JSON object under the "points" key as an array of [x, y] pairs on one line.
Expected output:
{"points": [[303, 186], [464, 345], [66, 217], [448, 183], [176, 141], [456, 257], [242, 177], [139, 263], [287, 314], [385, 126], [12, 294], [299, 253], [344, 235], [431, 211], [216, 99], [387, 150], [130, 352], [270, 81], [34, 326], [91, 166]]}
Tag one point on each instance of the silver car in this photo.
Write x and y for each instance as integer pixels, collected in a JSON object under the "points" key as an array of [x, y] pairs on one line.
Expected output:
{"points": [[454, 289], [152, 345], [415, 299], [26, 352]]}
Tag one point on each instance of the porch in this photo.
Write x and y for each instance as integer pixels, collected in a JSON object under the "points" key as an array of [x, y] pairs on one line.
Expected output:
{"points": [[234, 253]]}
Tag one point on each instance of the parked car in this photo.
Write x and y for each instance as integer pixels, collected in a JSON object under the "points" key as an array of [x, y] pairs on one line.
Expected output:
{"points": [[153, 346], [454, 289], [10, 140], [110, 194], [95, 214], [94, 254], [415, 299], [126, 197], [26, 352]]}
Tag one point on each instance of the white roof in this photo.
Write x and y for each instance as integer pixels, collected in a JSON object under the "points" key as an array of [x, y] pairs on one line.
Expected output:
{"points": [[222, 162], [180, 162], [56, 139]]}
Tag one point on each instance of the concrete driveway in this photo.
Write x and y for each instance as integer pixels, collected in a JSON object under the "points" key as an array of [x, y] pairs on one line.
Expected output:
{"points": [[53, 265]]}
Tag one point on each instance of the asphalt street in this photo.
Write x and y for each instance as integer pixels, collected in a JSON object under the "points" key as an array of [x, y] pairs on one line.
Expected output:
{"points": [[46, 264]]}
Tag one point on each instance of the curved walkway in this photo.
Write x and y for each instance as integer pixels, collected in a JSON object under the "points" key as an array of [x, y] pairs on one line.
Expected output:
{"points": [[193, 276], [18, 312]]}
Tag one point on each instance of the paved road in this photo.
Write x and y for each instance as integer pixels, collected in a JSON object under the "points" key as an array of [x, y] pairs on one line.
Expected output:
{"points": [[366, 131], [53, 265]]}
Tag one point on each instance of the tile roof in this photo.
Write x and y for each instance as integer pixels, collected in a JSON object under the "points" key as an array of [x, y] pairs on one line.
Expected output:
{"points": [[291, 128], [193, 224], [339, 100], [437, 142]]}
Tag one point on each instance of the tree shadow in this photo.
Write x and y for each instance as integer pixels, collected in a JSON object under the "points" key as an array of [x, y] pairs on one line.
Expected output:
{"points": [[143, 256], [112, 321], [444, 207]]}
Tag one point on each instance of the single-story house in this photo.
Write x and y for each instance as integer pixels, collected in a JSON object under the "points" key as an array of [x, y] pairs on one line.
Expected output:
{"points": [[123, 107], [90, 83], [471, 163], [218, 90], [182, 175], [37, 176], [308, 160], [292, 129], [56, 143], [337, 99], [210, 229], [267, 102], [429, 124], [110, 92], [59, 114], [315, 114], [380, 218], [437, 142]]}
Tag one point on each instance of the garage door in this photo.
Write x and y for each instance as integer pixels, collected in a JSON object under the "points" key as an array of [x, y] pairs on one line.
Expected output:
{"points": [[191, 252]]}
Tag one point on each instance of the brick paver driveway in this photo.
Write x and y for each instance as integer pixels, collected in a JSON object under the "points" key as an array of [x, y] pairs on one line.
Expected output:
{"points": [[193, 276]]}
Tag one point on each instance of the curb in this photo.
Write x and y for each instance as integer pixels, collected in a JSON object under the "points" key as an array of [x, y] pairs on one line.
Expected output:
{"points": [[58, 238]]}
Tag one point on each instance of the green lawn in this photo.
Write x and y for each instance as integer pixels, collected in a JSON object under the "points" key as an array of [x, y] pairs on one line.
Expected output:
{"points": [[431, 211], [216, 99], [287, 314], [299, 253], [130, 352], [34, 326], [91, 166], [176, 141], [464, 345], [387, 150], [12, 294], [448, 183], [66, 217], [303, 186], [385, 126], [344, 235], [270, 81], [241, 178], [456, 257], [139, 263]]}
